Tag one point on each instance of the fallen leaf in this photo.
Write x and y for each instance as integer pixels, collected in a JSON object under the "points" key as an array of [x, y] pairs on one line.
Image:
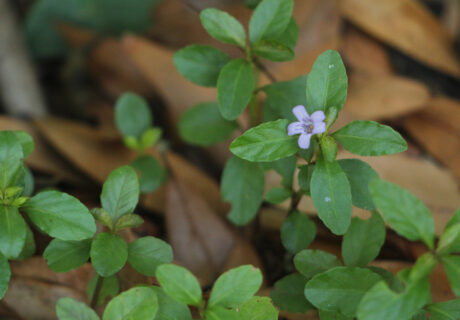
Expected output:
{"points": [[374, 97], [201, 241], [437, 128], [408, 26], [156, 63], [43, 158], [363, 53]]}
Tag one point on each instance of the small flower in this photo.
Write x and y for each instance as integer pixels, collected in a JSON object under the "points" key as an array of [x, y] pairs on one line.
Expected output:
{"points": [[307, 125]]}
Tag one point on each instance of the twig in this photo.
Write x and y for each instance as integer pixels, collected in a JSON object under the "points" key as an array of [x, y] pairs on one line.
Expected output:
{"points": [[18, 83], [265, 70]]}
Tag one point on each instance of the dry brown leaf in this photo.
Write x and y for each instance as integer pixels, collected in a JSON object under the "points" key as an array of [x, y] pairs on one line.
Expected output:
{"points": [[437, 128], [156, 63], [364, 53], [42, 158], [201, 241], [34, 289], [80, 144], [374, 97], [408, 26]]}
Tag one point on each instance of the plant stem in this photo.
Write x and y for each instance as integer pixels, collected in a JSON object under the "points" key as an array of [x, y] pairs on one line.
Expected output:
{"points": [[97, 291], [295, 200], [264, 70]]}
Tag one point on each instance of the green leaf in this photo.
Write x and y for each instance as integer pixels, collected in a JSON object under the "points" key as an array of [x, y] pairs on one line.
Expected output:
{"points": [[200, 64], [147, 253], [221, 313], [448, 310], [454, 219], [332, 315], [449, 242], [224, 27], [152, 174], [331, 194], [273, 50], [252, 4], [359, 175], [108, 17], [170, 309], [270, 19], [135, 303], [328, 148], [120, 192], [391, 279], [311, 262], [290, 35], [110, 288], [179, 283], [363, 240], [13, 232], [288, 294], [132, 115], [5, 275], [28, 250], [407, 215], [380, 303], [422, 268], [327, 83], [204, 125], [234, 88], [130, 220], [282, 97], [369, 138], [258, 308], [103, 217], [70, 309], [63, 256], [60, 215], [12, 172], [304, 177], [278, 195], [149, 138], [235, 286], [286, 168], [109, 253], [26, 141], [452, 266], [340, 289], [266, 142], [242, 185], [29, 183], [297, 232]]}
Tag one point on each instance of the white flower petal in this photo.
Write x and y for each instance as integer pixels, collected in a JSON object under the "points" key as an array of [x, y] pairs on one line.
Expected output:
{"points": [[304, 141], [318, 116], [295, 128], [318, 127], [300, 113]]}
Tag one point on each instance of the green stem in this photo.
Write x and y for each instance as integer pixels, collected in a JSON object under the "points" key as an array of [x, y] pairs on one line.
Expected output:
{"points": [[295, 200], [97, 291]]}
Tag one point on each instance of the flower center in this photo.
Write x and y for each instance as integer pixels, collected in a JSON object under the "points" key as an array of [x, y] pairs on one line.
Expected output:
{"points": [[308, 127]]}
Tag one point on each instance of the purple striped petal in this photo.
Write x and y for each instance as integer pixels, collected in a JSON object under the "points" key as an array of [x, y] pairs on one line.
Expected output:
{"points": [[318, 127], [300, 113], [295, 128], [318, 116], [304, 141]]}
